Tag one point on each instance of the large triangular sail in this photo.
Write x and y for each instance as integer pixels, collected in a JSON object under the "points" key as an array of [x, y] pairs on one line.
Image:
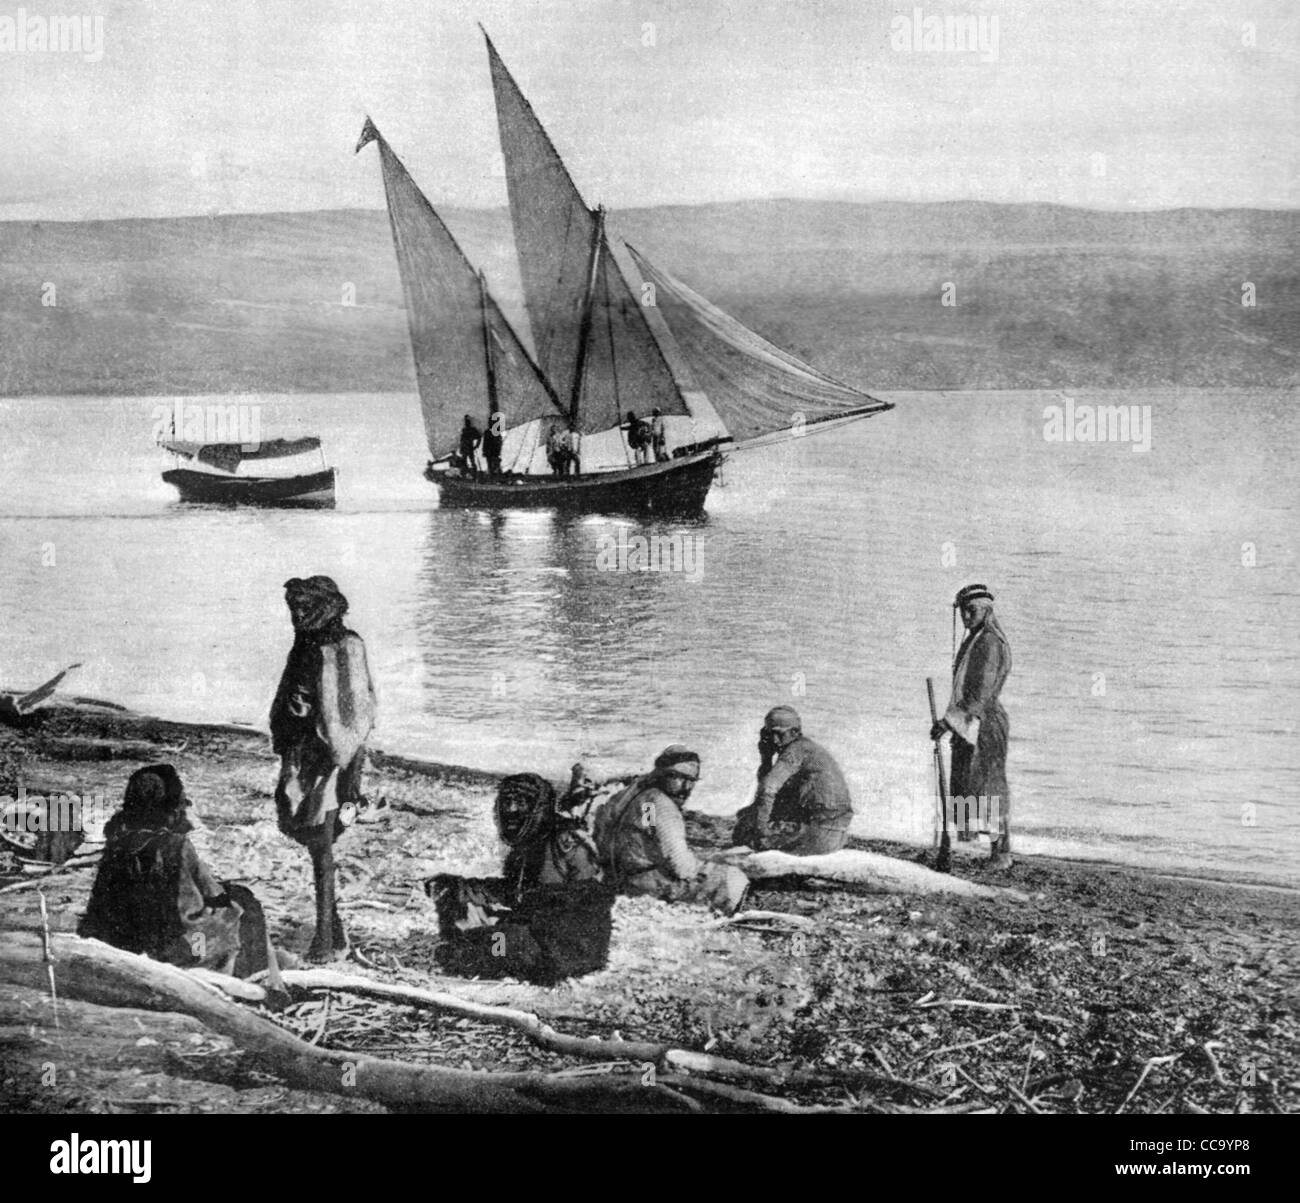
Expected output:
{"points": [[758, 390], [625, 368], [593, 343], [447, 312]]}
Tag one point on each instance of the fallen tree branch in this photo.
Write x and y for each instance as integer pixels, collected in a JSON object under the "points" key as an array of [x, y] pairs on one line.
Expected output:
{"points": [[952, 1048], [1209, 1046], [966, 1002], [800, 921], [748, 1099], [1020, 1097], [236, 987], [1152, 1062], [662, 1056], [871, 870], [70, 865], [95, 972]]}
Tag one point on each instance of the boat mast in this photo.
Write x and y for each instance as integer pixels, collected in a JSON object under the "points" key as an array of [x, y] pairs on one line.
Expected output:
{"points": [[487, 347], [584, 330]]}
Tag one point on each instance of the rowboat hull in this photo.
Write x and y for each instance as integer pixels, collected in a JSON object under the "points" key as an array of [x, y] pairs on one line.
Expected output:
{"points": [[677, 486], [313, 490]]}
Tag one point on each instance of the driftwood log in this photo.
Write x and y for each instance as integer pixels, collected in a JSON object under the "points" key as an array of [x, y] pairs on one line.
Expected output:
{"points": [[664, 1057], [94, 972], [91, 971], [658, 1077], [871, 871]]}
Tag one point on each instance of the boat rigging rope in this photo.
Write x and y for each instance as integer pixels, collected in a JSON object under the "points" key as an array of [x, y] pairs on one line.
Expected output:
{"points": [[613, 371]]}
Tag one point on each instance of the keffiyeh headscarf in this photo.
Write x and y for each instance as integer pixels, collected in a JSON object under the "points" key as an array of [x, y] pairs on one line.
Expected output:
{"points": [[525, 807], [316, 605]]}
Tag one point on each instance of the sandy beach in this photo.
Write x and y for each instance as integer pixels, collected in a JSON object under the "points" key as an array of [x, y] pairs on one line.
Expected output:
{"points": [[1107, 989]]}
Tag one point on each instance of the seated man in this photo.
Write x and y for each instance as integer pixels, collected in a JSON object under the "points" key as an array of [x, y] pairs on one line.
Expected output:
{"points": [[548, 917], [641, 837], [802, 805], [546, 848], [153, 895]]}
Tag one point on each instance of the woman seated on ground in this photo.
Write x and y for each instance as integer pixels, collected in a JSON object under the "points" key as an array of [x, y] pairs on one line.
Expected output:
{"points": [[153, 895], [548, 916]]}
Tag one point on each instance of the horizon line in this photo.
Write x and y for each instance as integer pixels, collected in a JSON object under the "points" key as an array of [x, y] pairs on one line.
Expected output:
{"points": [[738, 201]]}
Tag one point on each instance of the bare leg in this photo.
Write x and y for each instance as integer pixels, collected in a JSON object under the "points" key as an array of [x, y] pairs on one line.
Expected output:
{"points": [[1001, 851], [330, 938]]}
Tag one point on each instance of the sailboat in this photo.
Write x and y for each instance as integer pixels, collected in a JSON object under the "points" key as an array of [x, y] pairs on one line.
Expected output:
{"points": [[612, 335]]}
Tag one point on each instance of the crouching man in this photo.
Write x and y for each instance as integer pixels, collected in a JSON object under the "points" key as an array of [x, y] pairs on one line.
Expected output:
{"points": [[641, 838], [547, 917], [802, 805]]}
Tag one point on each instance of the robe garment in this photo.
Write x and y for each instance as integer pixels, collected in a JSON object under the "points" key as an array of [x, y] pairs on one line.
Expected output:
{"points": [[979, 723], [562, 855], [323, 712], [641, 838], [153, 895], [546, 919], [802, 805]]}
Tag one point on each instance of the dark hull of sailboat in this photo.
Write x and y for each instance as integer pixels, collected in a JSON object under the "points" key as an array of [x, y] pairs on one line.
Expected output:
{"points": [[312, 490], [676, 487]]}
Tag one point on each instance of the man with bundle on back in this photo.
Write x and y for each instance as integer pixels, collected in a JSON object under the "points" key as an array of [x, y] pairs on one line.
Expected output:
{"points": [[547, 917], [641, 836]]}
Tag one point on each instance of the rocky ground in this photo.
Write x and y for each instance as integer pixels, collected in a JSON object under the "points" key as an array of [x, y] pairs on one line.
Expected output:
{"points": [[1107, 990]]}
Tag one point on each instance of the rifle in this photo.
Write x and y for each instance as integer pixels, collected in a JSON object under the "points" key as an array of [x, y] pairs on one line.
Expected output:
{"points": [[944, 863]]}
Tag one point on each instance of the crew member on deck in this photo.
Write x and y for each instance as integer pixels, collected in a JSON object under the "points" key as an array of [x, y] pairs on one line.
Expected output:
{"points": [[976, 718], [573, 453], [638, 437], [493, 439], [470, 437], [557, 450], [659, 435], [802, 805]]}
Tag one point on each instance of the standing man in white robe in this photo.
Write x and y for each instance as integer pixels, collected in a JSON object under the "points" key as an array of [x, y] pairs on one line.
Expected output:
{"points": [[975, 717]]}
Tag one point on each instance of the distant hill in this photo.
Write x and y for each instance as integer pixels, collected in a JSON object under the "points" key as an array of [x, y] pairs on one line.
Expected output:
{"points": [[1046, 296]]}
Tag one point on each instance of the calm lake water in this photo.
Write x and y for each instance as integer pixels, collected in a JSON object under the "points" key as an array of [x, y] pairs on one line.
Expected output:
{"points": [[1150, 599]]}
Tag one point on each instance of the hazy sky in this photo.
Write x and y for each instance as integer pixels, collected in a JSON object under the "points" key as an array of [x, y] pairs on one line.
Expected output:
{"points": [[223, 105]]}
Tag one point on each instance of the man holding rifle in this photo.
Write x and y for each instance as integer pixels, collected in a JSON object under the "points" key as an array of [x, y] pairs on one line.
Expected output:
{"points": [[975, 717]]}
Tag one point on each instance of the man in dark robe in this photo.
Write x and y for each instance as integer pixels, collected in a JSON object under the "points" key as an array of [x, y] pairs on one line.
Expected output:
{"points": [[975, 717], [638, 437], [470, 437], [323, 712], [153, 895], [493, 440], [641, 837], [557, 450], [546, 848], [802, 805], [548, 916]]}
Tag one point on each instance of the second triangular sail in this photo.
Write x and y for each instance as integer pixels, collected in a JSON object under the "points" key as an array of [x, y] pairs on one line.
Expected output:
{"points": [[446, 312], [555, 236]]}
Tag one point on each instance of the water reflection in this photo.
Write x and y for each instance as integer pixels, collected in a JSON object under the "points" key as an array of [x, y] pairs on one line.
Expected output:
{"points": [[544, 633]]}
